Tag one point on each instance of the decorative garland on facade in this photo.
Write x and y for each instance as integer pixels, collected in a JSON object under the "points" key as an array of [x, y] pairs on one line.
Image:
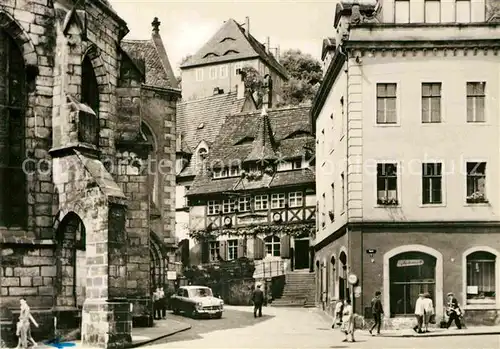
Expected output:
{"points": [[292, 230]]}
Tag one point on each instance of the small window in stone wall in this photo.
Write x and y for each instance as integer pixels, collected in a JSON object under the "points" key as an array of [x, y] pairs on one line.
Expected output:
{"points": [[88, 124]]}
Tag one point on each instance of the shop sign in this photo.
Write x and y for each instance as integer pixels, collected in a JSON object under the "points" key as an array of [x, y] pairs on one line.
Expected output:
{"points": [[252, 219], [171, 275], [357, 291], [409, 262], [352, 279]]}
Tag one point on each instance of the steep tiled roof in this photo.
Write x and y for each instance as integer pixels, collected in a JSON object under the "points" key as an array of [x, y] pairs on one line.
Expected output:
{"points": [[230, 44], [284, 122], [201, 120], [263, 146], [152, 53], [291, 130]]}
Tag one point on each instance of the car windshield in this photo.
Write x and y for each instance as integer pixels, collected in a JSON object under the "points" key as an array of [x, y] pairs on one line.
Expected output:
{"points": [[200, 292]]}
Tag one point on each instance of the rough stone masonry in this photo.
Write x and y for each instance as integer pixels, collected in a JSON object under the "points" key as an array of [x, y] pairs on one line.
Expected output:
{"points": [[79, 123]]}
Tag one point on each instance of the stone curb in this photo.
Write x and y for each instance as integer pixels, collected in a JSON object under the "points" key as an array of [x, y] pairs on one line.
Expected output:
{"points": [[441, 334], [168, 334]]}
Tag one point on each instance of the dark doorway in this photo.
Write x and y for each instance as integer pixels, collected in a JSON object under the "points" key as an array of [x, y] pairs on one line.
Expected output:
{"points": [[301, 254]]}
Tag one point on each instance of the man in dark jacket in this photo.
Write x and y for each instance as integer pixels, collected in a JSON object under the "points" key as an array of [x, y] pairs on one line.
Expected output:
{"points": [[258, 300], [453, 311], [377, 311]]}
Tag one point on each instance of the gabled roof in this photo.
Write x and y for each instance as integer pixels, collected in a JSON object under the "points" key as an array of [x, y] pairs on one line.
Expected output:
{"points": [[230, 43], [201, 120], [229, 149], [152, 53]]}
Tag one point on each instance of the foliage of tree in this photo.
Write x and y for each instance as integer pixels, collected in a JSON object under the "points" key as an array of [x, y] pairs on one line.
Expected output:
{"points": [[254, 82], [305, 74]]}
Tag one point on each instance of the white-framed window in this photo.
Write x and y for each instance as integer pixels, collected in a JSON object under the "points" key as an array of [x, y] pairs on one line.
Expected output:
{"points": [[278, 200], [223, 71], [386, 103], [432, 183], [476, 97], [244, 204], [213, 73], [476, 183], [199, 74], [214, 250], [261, 202], [295, 199], [432, 11], [387, 184], [402, 11], [295, 164], [431, 102], [481, 283], [228, 205], [213, 207], [220, 172], [232, 249], [273, 245], [284, 166], [463, 11], [237, 66], [234, 171]]}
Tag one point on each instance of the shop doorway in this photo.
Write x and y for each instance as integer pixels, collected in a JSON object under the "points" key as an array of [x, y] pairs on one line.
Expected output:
{"points": [[301, 254], [410, 273]]}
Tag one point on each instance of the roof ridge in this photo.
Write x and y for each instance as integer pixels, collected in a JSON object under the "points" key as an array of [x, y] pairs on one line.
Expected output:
{"points": [[136, 40], [209, 97]]}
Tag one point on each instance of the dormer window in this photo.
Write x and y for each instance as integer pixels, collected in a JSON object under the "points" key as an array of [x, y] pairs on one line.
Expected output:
{"points": [[228, 52], [202, 155], [295, 164], [233, 171]]}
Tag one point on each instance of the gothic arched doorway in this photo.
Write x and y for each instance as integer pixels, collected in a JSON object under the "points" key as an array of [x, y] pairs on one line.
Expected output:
{"points": [[157, 269], [71, 261], [343, 292]]}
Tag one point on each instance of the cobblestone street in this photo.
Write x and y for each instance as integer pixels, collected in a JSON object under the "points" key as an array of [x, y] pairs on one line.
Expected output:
{"points": [[296, 328]]}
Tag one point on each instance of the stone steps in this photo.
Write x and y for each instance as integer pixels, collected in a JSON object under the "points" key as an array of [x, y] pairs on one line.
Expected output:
{"points": [[299, 290]]}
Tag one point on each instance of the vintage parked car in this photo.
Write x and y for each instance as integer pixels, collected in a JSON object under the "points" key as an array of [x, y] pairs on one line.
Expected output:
{"points": [[196, 301]]}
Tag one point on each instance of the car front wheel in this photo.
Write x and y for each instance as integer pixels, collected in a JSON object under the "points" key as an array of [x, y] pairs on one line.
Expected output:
{"points": [[218, 315]]}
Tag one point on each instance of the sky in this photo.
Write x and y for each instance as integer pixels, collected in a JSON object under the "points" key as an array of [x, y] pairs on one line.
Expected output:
{"points": [[186, 25]]}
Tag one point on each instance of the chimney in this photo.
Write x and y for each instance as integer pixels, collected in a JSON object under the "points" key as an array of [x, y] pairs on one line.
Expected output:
{"points": [[268, 44], [216, 91], [267, 99], [156, 25], [247, 26]]}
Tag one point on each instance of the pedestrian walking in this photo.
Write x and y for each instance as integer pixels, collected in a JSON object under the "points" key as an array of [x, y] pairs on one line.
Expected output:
{"points": [[347, 321], [428, 311], [419, 313], [258, 300], [156, 304], [337, 314], [23, 328], [163, 304], [377, 311], [453, 311]]}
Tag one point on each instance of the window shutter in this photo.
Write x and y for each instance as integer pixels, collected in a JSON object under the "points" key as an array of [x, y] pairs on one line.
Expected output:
{"points": [[258, 248], [285, 247], [223, 249], [205, 253], [241, 247]]}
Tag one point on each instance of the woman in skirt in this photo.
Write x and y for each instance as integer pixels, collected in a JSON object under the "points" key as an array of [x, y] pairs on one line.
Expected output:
{"points": [[347, 321]]}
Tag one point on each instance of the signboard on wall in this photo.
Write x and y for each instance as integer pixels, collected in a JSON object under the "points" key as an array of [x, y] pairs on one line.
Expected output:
{"points": [[251, 219], [409, 263], [357, 291], [171, 275]]}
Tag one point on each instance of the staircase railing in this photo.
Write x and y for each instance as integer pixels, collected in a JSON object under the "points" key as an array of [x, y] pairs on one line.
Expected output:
{"points": [[267, 269]]}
